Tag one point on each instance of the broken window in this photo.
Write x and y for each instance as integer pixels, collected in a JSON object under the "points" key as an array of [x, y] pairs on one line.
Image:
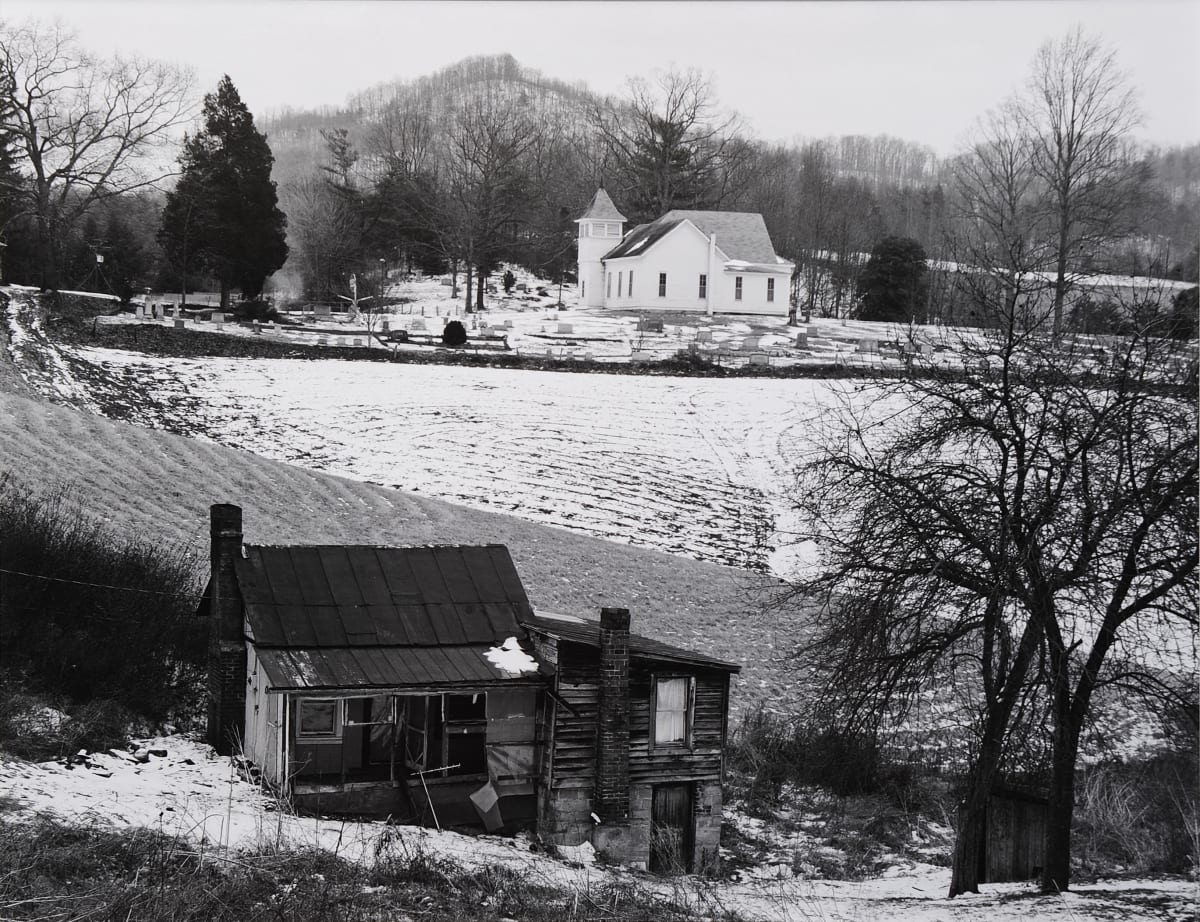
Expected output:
{"points": [[445, 732]]}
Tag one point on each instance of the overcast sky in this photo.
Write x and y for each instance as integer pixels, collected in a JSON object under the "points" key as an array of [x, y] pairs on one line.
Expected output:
{"points": [[917, 70]]}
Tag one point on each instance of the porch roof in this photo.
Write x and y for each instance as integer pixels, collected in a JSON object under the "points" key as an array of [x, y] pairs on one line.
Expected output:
{"points": [[381, 668]]}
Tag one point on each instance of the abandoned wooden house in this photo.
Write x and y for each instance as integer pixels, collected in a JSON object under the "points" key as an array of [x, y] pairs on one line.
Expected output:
{"points": [[418, 683]]}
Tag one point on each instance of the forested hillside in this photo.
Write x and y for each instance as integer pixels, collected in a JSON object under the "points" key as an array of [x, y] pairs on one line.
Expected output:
{"points": [[487, 162]]}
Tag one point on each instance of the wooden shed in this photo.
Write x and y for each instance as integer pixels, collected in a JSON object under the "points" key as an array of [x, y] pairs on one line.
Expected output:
{"points": [[1014, 835]]}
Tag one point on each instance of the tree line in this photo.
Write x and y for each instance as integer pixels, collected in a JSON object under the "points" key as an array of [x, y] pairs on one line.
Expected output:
{"points": [[483, 163]]}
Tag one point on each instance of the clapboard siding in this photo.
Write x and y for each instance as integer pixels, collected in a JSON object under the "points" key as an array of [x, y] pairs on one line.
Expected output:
{"points": [[574, 734]]}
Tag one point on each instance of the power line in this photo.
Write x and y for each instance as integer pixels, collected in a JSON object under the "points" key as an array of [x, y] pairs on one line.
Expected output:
{"points": [[80, 582]]}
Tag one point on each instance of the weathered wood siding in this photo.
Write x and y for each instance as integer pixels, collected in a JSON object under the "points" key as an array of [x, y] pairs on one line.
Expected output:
{"points": [[573, 739]]}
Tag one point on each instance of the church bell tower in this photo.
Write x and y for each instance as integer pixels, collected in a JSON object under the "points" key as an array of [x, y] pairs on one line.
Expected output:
{"points": [[600, 229]]}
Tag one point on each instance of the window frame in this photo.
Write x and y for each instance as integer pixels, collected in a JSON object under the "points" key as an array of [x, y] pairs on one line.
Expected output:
{"points": [[737, 288], [662, 284], [620, 280], [629, 290], [703, 285], [607, 284], [321, 736], [770, 291], [689, 710]]}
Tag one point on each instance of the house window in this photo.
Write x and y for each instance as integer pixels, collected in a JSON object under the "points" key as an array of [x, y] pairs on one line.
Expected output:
{"points": [[582, 288], [445, 732], [770, 290], [704, 286], [672, 711], [318, 719], [631, 283], [620, 279], [613, 230], [662, 284], [608, 284], [737, 288]]}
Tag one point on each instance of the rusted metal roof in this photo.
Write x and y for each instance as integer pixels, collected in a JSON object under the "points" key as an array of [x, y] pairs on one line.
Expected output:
{"points": [[583, 631], [328, 596], [379, 667]]}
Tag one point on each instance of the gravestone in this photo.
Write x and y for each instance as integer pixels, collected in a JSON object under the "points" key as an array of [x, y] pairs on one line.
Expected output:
{"points": [[566, 328], [418, 324], [357, 341], [643, 356], [927, 349], [341, 340], [868, 345], [508, 325], [760, 358], [321, 310], [521, 286], [139, 310], [704, 336], [385, 326], [322, 340], [180, 323], [650, 325], [812, 331], [589, 357], [750, 344], [801, 340], [446, 283]]}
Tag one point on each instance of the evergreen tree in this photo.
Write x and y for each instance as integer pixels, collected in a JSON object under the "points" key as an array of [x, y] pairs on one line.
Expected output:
{"points": [[224, 215], [894, 284]]}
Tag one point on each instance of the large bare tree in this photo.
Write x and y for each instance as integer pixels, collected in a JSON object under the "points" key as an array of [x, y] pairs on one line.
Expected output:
{"points": [[1022, 521], [670, 147], [1079, 110], [86, 129]]}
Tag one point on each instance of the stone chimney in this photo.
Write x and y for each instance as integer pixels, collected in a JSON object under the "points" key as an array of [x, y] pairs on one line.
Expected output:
{"points": [[227, 639], [611, 801]]}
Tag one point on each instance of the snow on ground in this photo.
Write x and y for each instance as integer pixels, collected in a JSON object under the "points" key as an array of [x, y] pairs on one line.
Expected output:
{"points": [[192, 793], [693, 466]]}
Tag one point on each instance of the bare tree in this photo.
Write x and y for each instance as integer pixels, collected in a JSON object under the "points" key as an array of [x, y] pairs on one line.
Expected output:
{"points": [[671, 147], [1079, 111], [1015, 521], [87, 130]]}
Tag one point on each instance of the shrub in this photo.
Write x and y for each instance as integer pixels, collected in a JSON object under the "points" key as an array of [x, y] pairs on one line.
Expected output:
{"points": [[455, 334], [1138, 818], [89, 614], [255, 310]]}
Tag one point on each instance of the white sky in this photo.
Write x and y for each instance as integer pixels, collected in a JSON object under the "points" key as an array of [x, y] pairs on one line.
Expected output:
{"points": [[918, 70]]}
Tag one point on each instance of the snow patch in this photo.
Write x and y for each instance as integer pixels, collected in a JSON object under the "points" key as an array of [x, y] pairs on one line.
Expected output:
{"points": [[511, 660]]}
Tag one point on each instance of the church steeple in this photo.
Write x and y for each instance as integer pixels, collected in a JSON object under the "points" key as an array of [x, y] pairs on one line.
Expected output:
{"points": [[600, 229]]}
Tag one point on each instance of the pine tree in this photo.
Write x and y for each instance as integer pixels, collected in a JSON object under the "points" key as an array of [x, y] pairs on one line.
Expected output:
{"points": [[895, 282], [224, 215]]}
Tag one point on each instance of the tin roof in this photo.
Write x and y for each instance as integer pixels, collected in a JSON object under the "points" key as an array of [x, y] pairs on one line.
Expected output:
{"points": [[601, 209], [337, 596], [584, 631]]}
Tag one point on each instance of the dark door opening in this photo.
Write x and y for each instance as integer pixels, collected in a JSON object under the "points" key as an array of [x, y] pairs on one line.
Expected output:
{"points": [[671, 829]]}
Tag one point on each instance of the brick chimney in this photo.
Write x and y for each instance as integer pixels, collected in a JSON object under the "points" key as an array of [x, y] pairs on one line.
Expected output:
{"points": [[611, 800], [226, 639]]}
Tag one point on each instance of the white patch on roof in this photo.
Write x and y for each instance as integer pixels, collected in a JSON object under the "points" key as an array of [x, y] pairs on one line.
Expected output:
{"points": [[510, 659]]}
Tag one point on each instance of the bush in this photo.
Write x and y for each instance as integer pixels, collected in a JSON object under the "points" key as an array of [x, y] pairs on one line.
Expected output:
{"points": [[769, 751], [255, 310], [92, 616], [1138, 818], [455, 334]]}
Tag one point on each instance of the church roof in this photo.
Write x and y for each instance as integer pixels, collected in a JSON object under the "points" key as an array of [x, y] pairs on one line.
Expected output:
{"points": [[602, 209], [741, 235]]}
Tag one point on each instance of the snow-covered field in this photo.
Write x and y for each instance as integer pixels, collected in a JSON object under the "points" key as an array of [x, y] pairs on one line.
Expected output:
{"points": [[192, 793], [687, 465]]}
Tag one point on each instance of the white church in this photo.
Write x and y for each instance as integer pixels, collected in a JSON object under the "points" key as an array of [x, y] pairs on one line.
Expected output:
{"points": [[714, 262]]}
